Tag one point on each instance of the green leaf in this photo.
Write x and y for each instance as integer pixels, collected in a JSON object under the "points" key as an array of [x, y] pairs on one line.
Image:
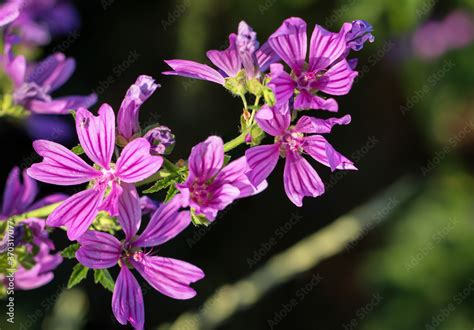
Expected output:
{"points": [[103, 277], [78, 150], [199, 219], [79, 273], [73, 113], [70, 251], [172, 191], [162, 184]]}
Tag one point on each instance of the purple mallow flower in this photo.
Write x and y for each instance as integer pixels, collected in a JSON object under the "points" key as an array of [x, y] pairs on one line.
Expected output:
{"points": [[169, 276], [161, 139], [211, 186], [291, 142], [18, 198], [360, 33], [128, 115], [33, 84], [327, 71], [40, 20], [62, 167], [243, 52]]}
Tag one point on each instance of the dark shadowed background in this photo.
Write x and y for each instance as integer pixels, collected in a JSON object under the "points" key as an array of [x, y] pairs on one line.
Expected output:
{"points": [[412, 115]]}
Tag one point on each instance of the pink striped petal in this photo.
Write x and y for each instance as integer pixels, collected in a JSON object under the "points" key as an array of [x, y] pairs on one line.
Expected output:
{"points": [[135, 163], [97, 134], [278, 123], [165, 223], [130, 215], [169, 276], [206, 158], [62, 105], [326, 47], [290, 42], [127, 300], [320, 149], [281, 83], [9, 12], [77, 212], [227, 60], [305, 101], [98, 250], [262, 161], [265, 56], [308, 124], [60, 165], [337, 80], [195, 70], [300, 179]]}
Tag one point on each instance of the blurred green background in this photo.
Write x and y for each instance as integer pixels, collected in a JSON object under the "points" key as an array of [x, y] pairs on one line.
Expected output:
{"points": [[412, 113]]}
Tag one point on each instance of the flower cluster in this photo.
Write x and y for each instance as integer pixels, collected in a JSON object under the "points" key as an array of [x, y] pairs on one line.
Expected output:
{"points": [[281, 78]]}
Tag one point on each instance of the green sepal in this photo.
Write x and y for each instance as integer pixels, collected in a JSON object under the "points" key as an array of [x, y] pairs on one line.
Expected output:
{"points": [[78, 150], [161, 184], [79, 273], [103, 277], [70, 251], [237, 85], [199, 219]]}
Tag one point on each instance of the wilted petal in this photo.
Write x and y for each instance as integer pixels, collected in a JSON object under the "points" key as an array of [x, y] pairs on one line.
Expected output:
{"points": [[320, 149], [127, 120], [308, 124], [167, 222], [337, 80], [127, 300], [77, 212], [207, 158], [262, 161], [281, 83], [290, 42], [98, 250], [305, 101], [130, 215], [60, 165], [195, 70], [135, 163], [279, 121], [97, 134], [227, 60], [326, 47], [300, 179], [169, 276]]}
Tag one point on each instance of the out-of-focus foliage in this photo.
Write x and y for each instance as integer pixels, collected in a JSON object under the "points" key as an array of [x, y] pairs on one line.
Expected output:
{"points": [[425, 269]]}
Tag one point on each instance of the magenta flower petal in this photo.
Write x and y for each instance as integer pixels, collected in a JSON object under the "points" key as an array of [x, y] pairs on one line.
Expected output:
{"points": [[52, 72], [265, 56], [262, 161], [51, 199], [77, 212], [16, 70], [279, 121], [137, 94], [327, 47], [305, 101], [227, 60], [337, 80], [281, 83], [235, 174], [167, 222], [110, 203], [300, 179], [148, 205], [308, 124], [98, 250], [9, 12], [62, 105], [206, 158], [17, 196], [169, 276], [320, 149], [195, 70], [290, 42], [222, 196], [60, 165], [127, 300], [135, 163], [97, 134], [129, 215]]}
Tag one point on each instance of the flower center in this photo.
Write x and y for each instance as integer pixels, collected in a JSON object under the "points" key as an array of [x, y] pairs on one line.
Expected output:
{"points": [[131, 252], [200, 192], [291, 141], [108, 177]]}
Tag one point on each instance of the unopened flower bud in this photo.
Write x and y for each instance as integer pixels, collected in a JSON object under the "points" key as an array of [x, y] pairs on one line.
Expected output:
{"points": [[161, 139]]}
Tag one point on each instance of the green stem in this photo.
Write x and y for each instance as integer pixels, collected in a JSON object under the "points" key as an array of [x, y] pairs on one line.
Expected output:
{"points": [[234, 143], [38, 213], [244, 100]]}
